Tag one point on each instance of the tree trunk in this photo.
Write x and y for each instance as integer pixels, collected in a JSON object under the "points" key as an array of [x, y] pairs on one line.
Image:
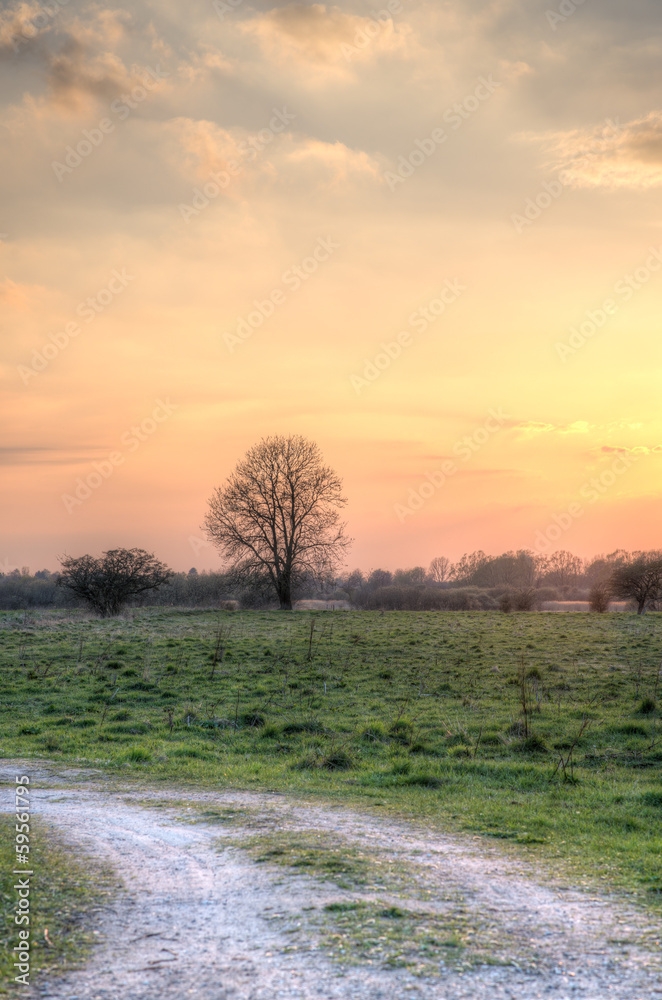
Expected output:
{"points": [[285, 594]]}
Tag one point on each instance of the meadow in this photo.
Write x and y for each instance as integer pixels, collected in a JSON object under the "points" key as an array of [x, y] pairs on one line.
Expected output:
{"points": [[540, 730]]}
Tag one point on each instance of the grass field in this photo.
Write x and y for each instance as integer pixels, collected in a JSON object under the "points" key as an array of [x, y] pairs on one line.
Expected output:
{"points": [[67, 894], [538, 729]]}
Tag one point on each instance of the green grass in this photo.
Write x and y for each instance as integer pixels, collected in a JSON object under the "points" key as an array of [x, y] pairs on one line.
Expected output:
{"points": [[327, 857], [67, 892], [396, 937], [418, 714]]}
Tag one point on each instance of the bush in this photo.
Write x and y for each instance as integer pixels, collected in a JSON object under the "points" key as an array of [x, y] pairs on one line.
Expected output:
{"points": [[425, 599], [519, 600], [599, 597], [506, 602], [548, 594]]}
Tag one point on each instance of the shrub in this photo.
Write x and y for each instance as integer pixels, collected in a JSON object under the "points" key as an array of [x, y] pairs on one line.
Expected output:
{"points": [[599, 597], [426, 599], [506, 602], [108, 583], [519, 600], [526, 600], [548, 594]]}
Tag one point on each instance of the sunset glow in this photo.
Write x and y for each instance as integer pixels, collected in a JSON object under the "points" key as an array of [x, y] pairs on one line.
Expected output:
{"points": [[426, 236]]}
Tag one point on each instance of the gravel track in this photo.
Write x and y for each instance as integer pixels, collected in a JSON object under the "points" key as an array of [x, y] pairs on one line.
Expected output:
{"points": [[196, 916]]}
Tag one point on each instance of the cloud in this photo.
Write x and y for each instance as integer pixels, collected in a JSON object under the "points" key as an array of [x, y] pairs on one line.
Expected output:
{"points": [[21, 297], [42, 455], [531, 428], [198, 149], [325, 41], [78, 58], [609, 155], [640, 449], [333, 164]]}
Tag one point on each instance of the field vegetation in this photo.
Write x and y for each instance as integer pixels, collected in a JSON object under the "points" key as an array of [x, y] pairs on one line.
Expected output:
{"points": [[536, 730]]}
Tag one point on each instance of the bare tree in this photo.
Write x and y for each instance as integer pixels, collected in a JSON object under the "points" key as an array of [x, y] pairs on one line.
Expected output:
{"points": [[639, 581], [277, 515], [563, 568], [439, 569], [380, 578], [414, 577], [467, 566], [108, 583], [599, 597]]}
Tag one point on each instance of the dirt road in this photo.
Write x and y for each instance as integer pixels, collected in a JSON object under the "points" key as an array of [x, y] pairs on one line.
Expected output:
{"points": [[199, 917]]}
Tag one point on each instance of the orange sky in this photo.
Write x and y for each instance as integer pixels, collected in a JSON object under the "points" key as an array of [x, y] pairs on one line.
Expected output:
{"points": [[216, 216]]}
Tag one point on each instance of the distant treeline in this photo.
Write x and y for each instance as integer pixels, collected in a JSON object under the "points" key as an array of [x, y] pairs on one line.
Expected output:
{"points": [[20, 590], [512, 581], [519, 580]]}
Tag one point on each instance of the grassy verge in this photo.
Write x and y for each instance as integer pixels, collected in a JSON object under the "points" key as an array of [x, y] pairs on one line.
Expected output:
{"points": [[67, 895], [537, 731], [396, 937], [328, 857]]}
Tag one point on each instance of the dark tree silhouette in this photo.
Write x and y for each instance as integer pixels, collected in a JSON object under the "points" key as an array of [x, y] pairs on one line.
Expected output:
{"points": [[277, 515], [108, 583], [639, 581]]}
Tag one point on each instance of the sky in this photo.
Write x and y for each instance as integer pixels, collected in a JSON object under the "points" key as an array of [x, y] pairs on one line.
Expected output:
{"points": [[425, 235]]}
